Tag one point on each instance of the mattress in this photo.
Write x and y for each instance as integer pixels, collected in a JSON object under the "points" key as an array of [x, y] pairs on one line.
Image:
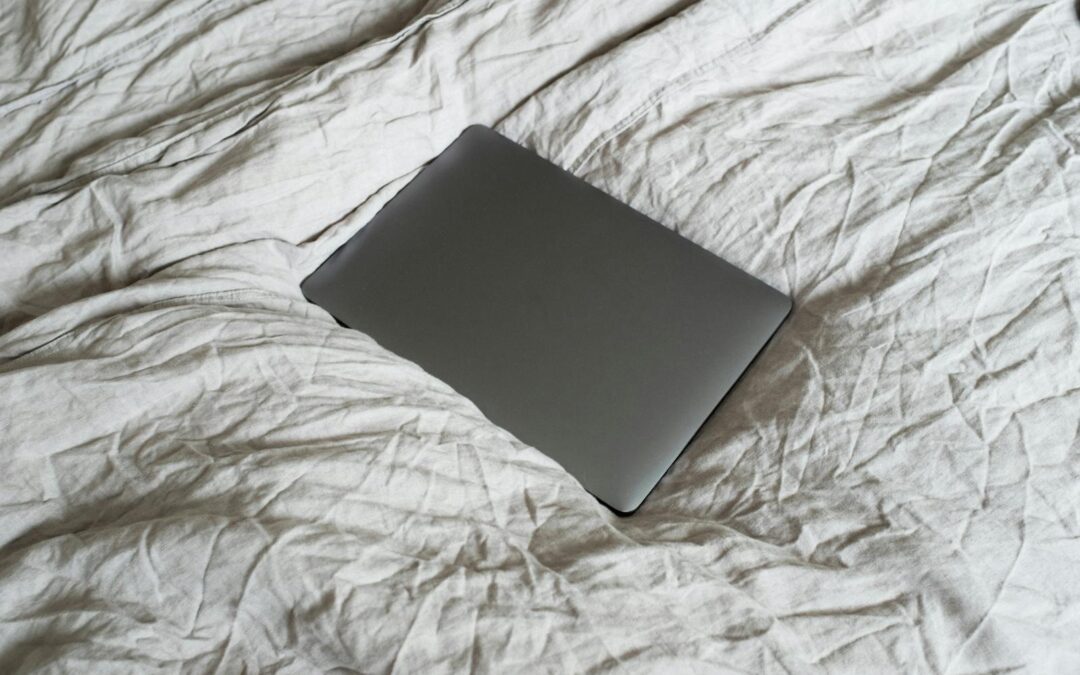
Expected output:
{"points": [[204, 472]]}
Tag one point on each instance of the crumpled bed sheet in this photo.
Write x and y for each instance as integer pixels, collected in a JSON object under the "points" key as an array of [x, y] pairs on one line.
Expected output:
{"points": [[201, 471]]}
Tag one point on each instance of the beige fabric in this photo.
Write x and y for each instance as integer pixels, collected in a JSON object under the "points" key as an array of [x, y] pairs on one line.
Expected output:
{"points": [[203, 472]]}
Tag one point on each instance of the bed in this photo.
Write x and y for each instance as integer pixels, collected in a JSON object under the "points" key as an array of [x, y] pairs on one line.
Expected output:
{"points": [[203, 472]]}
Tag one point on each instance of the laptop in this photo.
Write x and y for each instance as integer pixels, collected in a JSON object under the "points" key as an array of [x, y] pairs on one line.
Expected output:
{"points": [[586, 329]]}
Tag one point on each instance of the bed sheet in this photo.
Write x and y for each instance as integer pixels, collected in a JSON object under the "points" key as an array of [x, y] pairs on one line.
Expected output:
{"points": [[203, 472]]}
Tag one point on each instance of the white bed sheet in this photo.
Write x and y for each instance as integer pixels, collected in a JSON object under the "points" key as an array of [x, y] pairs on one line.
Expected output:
{"points": [[204, 472]]}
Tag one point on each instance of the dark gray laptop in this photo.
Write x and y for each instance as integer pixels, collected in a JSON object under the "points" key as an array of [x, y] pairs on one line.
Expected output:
{"points": [[589, 331]]}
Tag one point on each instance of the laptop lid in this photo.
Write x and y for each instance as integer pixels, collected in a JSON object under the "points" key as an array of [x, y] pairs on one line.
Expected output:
{"points": [[583, 327]]}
